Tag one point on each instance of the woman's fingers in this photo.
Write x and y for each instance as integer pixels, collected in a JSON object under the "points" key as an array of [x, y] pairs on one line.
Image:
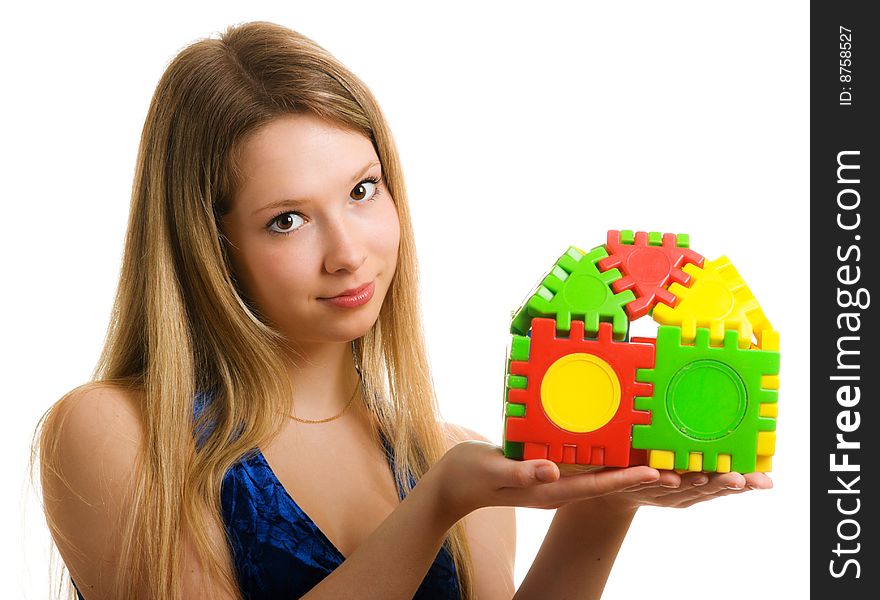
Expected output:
{"points": [[693, 479], [686, 502], [758, 481], [526, 490], [601, 483], [539, 483], [751, 481], [699, 487], [528, 473], [707, 492]]}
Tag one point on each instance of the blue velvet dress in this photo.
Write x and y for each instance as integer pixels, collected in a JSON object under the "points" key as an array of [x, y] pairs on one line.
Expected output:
{"points": [[278, 551]]}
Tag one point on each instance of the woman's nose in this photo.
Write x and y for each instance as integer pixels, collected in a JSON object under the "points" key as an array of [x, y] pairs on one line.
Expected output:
{"points": [[345, 250]]}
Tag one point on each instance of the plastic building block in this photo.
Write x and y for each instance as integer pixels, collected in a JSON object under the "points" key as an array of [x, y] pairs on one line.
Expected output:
{"points": [[717, 298], [708, 400], [574, 403], [702, 396], [649, 262], [517, 350], [576, 289]]}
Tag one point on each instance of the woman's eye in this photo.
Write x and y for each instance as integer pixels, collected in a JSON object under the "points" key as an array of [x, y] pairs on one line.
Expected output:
{"points": [[286, 223], [366, 189]]}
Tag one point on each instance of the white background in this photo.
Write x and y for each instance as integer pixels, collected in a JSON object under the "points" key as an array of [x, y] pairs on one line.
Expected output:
{"points": [[522, 130]]}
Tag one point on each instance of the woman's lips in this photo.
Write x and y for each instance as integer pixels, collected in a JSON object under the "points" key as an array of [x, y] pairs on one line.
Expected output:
{"points": [[358, 299]]}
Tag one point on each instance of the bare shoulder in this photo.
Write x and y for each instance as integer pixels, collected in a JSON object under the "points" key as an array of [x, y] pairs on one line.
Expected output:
{"points": [[96, 425], [491, 533], [89, 453], [98, 436], [99, 412]]}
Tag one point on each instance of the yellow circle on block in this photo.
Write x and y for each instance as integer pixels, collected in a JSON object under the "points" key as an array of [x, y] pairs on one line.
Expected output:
{"points": [[580, 392], [714, 301]]}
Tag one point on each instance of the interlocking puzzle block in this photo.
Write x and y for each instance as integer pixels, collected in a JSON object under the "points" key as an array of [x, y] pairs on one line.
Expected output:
{"points": [[575, 288], [572, 401], [717, 298], [701, 396], [707, 403], [649, 262]]}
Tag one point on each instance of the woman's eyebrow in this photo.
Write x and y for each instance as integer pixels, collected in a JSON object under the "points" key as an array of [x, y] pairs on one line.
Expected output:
{"points": [[300, 201]]}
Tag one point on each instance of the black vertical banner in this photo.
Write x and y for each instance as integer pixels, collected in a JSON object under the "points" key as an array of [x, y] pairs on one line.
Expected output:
{"points": [[845, 227]]}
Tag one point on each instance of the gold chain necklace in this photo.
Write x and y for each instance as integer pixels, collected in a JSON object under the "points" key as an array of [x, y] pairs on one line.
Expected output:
{"points": [[356, 387], [353, 394]]}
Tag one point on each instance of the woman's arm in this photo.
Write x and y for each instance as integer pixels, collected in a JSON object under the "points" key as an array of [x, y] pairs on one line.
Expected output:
{"points": [[594, 512], [393, 560], [491, 534], [585, 536], [577, 554]]}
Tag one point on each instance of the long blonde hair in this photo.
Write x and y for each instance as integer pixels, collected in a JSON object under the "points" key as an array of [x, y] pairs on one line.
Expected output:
{"points": [[180, 324]]}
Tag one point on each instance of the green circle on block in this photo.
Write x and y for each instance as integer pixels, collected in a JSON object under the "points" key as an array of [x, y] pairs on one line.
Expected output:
{"points": [[585, 292], [706, 400]]}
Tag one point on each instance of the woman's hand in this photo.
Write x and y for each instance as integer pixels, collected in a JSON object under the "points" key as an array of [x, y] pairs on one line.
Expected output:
{"points": [[686, 489], [475, 474]]}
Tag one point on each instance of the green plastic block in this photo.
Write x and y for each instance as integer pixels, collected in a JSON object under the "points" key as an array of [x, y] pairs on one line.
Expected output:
{"points": [[683, 240], [576, 289], [627, 236], [706, 399], [655, 238], [513, 450], [519, 348]]}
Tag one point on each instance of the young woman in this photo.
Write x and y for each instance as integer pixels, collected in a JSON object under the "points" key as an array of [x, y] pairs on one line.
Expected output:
{"points": [[262, 423]]}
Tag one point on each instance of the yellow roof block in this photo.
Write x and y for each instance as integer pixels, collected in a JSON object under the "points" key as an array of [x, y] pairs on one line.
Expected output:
{"points": [[717, 299]]}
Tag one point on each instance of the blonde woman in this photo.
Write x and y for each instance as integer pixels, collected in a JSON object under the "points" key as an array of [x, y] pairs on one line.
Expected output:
{"points": [[262, 423]]}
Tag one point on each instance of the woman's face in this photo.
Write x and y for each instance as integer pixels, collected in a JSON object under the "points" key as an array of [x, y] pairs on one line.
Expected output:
{"points": [[308, 223]]}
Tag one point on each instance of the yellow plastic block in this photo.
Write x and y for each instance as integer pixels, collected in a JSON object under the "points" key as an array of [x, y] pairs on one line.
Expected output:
{"points": [[695, 461], [717, 299], [766, 443], [764, 464], [768, 339], [723, 464], [661, 459], [769, 410], [770, 382]]}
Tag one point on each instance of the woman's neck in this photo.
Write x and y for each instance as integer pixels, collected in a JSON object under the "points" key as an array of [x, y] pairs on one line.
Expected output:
{"points": [[323, 379]]}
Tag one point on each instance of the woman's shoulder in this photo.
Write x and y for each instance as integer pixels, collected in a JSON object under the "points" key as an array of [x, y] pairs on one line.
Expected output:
{"points": [[95, 431], [96, 404], [88, 450], [93, 422]]}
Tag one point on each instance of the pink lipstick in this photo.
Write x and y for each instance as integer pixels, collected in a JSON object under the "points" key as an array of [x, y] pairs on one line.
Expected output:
{"points": [[353, 298]]}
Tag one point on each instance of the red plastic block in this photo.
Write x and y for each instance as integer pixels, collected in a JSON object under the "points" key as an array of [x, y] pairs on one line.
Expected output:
{"points": [[578, 424], [647, 270]]}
